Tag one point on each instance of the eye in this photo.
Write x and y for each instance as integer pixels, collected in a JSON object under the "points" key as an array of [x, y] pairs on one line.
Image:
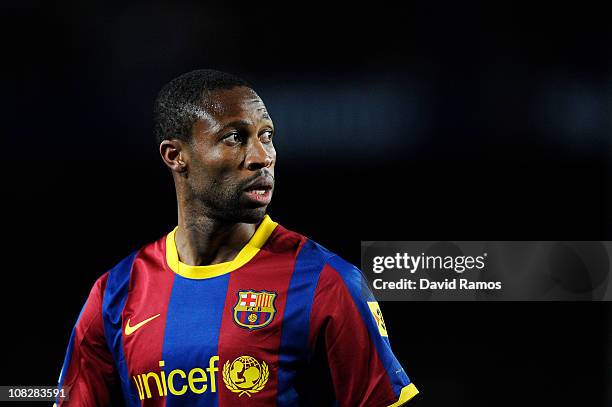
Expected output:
{"points": [[233, 138], [266, 136]]}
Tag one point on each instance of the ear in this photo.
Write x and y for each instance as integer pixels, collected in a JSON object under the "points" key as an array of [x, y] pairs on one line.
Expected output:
{"points": [[174, 154]]}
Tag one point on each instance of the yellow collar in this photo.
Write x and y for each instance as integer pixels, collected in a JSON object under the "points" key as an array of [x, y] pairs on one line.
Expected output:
{"points": [[264, 230]]}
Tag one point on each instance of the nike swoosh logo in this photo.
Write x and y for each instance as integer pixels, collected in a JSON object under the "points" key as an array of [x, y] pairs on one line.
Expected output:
{"points": [[131, 329]]}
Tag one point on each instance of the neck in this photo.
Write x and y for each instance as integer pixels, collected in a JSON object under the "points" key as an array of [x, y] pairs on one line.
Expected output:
{"points": [[202, 240]]}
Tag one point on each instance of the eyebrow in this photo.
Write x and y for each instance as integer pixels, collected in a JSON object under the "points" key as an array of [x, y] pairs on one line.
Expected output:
{"points": [[237, 123], [243, 123]]}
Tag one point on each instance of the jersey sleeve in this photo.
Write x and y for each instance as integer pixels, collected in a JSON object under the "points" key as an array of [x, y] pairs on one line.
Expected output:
{"points": [[348, 328], [89, 372]]}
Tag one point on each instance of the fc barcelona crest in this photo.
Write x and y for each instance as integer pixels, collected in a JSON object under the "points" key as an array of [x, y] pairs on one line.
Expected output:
{"points": [[254, 309]]}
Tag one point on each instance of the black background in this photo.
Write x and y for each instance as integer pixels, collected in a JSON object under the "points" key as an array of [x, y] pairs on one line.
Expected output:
{"points": [[468, 123]]}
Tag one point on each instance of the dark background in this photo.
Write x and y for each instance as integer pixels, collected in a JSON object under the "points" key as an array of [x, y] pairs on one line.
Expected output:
{"points": [[430, 122]]}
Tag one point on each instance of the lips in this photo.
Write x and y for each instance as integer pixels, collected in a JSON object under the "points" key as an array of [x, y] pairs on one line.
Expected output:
{"points": [[259, 191], [262, 184], [259, 198]]}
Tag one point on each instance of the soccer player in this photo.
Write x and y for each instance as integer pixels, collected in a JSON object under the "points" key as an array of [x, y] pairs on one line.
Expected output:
{"points": [[230, 308]]}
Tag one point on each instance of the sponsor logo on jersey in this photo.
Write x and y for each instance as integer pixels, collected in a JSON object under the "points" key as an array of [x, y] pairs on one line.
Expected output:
{"points": [[243, 375], [377, 313], [254, 309], [196, 381], [131, 329]]}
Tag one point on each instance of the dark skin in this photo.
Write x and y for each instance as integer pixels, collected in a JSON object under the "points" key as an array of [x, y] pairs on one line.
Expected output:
{"points": [[230, 151]]}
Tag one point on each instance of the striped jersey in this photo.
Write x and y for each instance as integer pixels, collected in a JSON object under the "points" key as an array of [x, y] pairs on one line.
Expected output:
{"points": [[285, 323]]}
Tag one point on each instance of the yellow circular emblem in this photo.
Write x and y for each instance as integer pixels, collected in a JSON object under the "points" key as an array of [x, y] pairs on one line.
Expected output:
{"points": [[245, 375], [252, 318]]}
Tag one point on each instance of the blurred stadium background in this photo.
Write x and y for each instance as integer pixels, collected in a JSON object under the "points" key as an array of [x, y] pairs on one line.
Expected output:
{"points": [[436, 121]]}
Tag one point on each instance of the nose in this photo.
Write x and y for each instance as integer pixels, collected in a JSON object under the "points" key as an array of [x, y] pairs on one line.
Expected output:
{"points": [[258, 156]]}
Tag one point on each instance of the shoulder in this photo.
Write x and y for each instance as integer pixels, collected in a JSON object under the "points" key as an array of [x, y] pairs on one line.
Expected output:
{"points": [[119, 274], [154, 251], [330, 268], [308, 252]]}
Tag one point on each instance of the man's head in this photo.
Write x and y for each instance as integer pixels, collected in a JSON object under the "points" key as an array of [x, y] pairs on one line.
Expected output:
{"points": [[215, 135]]}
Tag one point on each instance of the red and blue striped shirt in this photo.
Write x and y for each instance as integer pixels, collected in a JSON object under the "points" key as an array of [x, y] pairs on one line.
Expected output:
{"points": [[285, 323]]}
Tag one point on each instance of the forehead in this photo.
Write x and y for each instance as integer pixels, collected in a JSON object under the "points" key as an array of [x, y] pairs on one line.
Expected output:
{"points": [[232, 103]]}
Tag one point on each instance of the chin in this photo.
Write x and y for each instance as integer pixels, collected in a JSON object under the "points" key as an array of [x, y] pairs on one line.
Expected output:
{"points": [[250, 215], [255, 215]]}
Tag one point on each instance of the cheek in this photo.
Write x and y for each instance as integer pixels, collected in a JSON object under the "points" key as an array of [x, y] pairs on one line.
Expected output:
{"points": [[217, 172], [217, 162]]}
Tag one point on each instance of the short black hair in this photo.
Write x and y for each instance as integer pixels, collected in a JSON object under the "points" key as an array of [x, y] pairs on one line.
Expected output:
{"points": [[179, 101]]}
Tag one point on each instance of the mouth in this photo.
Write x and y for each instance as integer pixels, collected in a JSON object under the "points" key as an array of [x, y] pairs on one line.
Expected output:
{"points": [[260, 191]]}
